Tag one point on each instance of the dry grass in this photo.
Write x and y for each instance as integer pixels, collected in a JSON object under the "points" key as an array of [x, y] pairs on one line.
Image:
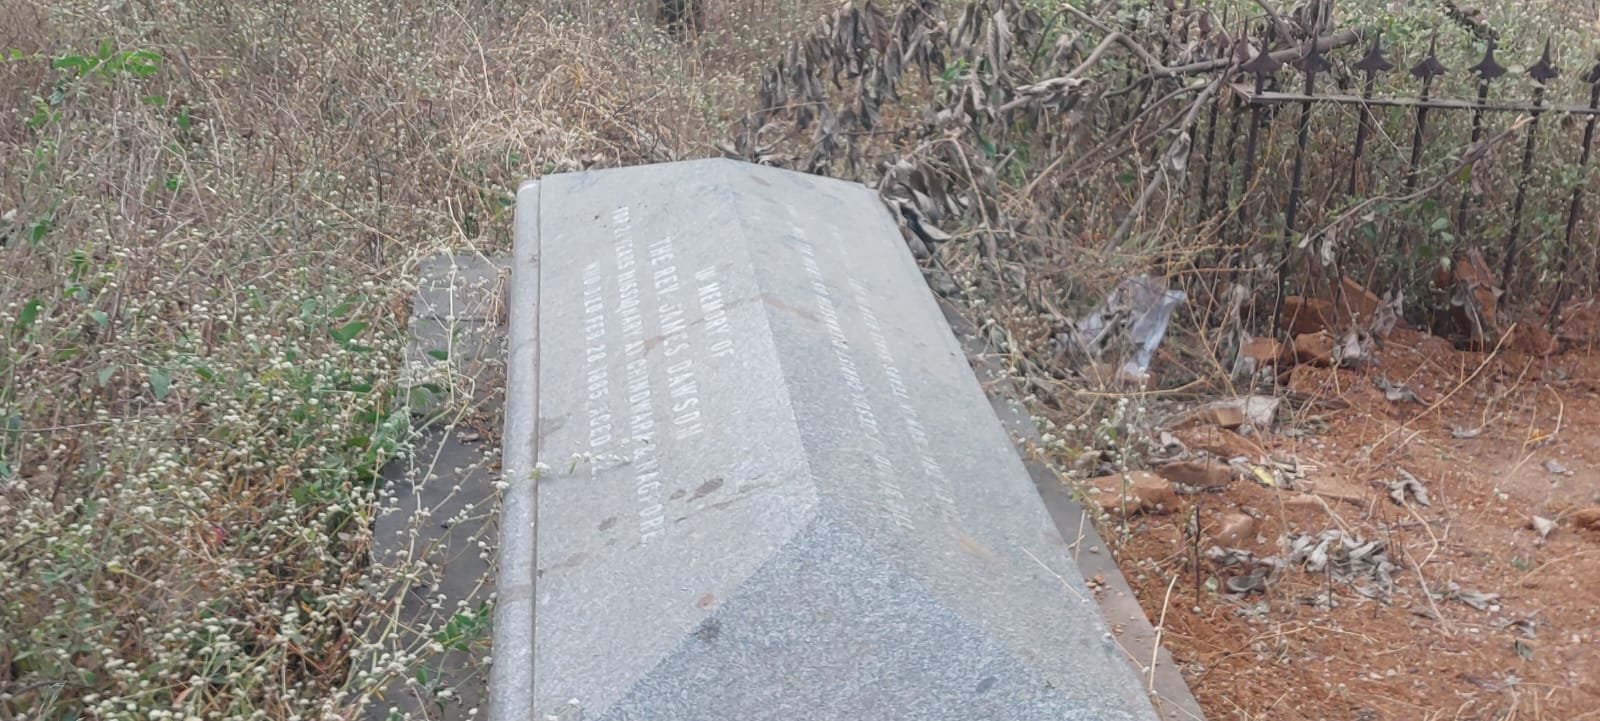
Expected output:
{"points": [[212, 211], [210, 215]]}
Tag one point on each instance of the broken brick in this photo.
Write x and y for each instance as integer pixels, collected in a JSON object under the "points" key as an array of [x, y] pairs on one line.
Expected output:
{"points": [[1198, 473], [1145, 493]]}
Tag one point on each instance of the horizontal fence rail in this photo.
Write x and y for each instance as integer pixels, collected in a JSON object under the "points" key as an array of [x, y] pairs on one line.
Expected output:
{"points": [[1252, 156], [1247, 182]]}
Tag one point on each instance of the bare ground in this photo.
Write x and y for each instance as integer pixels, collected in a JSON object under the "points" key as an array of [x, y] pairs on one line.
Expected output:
{"points": [[1495, 438]]}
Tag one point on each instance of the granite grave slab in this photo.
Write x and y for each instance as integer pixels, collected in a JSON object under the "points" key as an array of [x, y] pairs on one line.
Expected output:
{"points": [[751, 474]]}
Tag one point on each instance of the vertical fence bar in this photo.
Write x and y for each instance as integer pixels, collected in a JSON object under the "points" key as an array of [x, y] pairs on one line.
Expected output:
{"points": [[1233, 150], [1205, 158], [1195, 143], [1211, 128], [1169, 9], [1148, 86], [1312, 63], [1262, 65], [1487, 70], [1126, 112], [1576, 205], [1241, 53], [1370, 65], [1427, 71], [1542, 72]]}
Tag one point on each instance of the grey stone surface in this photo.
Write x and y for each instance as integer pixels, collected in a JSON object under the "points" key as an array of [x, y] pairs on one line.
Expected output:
{"points": [[456, 327], [443, 489], [511, 675], [461, 287], [771, 486], [443, 499]]}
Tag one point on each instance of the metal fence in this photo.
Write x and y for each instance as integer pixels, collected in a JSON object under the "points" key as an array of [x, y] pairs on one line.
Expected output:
{"points": [[1261, 186], [1201, 142]]}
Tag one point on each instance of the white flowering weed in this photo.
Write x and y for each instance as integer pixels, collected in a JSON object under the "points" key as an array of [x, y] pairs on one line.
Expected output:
{"points": [[209, 213]]}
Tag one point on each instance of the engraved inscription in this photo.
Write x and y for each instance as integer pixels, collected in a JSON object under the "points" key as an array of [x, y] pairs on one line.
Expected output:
{"points": [[893, 497], [652, 330], [937, 483], [645, 342], [930, 475], [644, 463], [596, 386], [715, 313]]}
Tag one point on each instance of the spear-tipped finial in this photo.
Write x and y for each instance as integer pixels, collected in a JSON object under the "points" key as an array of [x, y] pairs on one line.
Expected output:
{"points": [[1374, 62], [1487, 68], [1543, 71], [1262, 64], [1430, 67]]}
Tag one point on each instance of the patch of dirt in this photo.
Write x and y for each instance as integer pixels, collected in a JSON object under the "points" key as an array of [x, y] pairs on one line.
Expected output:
{"points": [[1481, 616]]}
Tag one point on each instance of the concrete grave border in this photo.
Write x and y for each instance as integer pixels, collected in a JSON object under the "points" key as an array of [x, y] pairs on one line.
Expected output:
{"points": [[511, 675]]}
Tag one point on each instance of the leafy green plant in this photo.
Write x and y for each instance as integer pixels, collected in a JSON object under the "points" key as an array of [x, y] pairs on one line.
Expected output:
{"points": [[464, 629], [109, 63]]}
